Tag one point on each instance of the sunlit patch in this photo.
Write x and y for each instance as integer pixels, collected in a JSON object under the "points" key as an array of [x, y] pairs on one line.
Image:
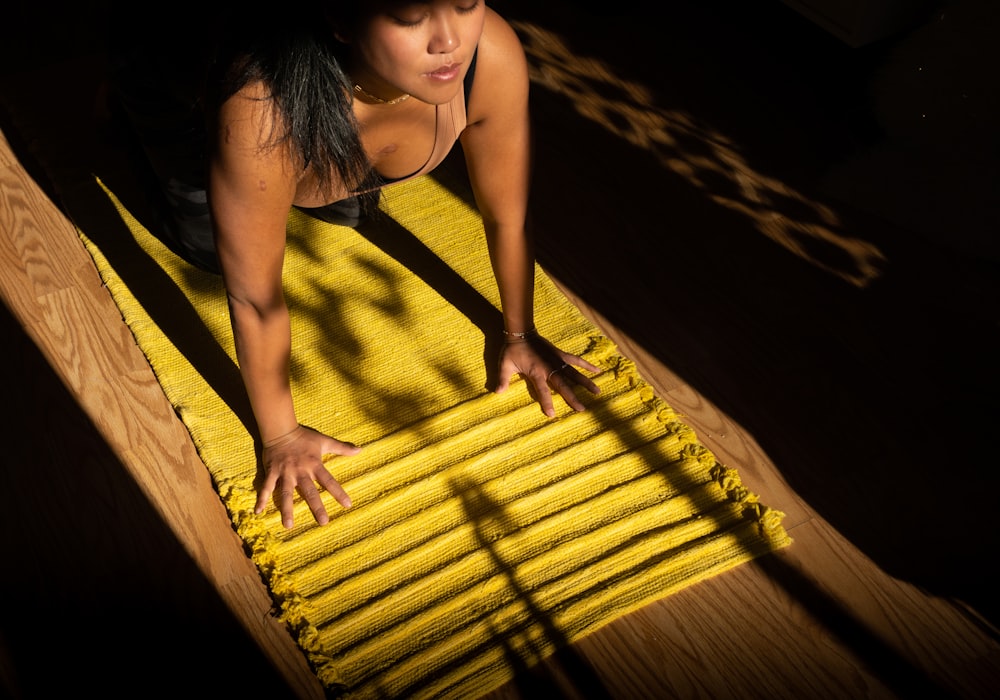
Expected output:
{"points": [[809, 229]]}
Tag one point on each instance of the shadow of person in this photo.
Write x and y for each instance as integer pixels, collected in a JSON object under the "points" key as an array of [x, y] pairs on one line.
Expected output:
{"points": [[403, 246]]}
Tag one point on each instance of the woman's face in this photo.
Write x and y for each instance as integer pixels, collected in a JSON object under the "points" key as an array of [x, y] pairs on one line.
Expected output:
{"points": [[420, 48]]}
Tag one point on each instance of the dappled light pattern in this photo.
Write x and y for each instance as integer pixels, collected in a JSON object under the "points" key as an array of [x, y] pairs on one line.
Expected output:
{"points": [[483, 536], [700, 155]]}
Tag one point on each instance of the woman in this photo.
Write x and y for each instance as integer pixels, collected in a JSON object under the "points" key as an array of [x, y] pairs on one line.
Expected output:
{"points": [[321, 116]]}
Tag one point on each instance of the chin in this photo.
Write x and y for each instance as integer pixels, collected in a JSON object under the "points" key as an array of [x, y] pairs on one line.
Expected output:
{"points": [[440, 95]]}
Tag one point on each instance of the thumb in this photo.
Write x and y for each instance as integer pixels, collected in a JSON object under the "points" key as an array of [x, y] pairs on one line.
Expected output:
{"points": [[344, 449], [503, 379]]}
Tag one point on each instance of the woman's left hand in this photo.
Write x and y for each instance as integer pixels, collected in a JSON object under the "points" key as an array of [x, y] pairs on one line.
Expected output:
{"points": [[545, 367]]}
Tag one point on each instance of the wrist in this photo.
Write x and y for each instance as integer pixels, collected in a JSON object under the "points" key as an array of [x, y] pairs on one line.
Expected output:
{"points": [[282, 439], [519, 336]]}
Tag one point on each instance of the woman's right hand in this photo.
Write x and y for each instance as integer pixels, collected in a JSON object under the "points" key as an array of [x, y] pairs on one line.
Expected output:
{"points": [[294, 462]]}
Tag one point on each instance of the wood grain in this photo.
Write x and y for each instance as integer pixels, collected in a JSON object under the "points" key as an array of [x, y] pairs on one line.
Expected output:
{"points": [[856, 410], [53, 292]]}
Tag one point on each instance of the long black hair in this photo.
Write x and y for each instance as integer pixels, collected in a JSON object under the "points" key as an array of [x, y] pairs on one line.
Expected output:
{"points": [[300, 63]]}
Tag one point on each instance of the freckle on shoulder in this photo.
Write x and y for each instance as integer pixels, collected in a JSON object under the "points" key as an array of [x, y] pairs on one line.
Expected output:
{"points": [[262, 185]]}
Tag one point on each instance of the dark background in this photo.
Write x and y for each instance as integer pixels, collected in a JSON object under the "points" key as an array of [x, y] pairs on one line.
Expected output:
{"points": [[876, 401]]}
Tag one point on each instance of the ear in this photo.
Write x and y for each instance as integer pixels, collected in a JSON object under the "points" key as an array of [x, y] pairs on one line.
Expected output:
{"points": [[340, 33]]}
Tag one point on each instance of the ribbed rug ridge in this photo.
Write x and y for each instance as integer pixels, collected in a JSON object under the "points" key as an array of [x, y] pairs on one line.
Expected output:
{"points": [[483, 536]]}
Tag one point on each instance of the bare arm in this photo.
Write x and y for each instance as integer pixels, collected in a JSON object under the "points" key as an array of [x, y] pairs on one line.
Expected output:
{"points": [[251, 191], [497, 148]]}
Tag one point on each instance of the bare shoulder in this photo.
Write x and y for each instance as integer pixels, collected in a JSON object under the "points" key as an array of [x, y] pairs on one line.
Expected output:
{"points": [[246, 118], [498, 35], [501, 69], [249, 139], [252, 174]]}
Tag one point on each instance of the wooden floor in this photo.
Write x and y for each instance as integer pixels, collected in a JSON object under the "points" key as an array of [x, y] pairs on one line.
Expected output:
{"points": [[796, 242]]}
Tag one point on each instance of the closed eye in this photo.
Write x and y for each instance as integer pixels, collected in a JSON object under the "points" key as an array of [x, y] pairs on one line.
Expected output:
{"points": [[412, 14]]}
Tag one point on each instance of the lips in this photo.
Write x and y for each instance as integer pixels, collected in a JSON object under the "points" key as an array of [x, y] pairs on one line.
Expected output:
{"points": [[445, 73]]}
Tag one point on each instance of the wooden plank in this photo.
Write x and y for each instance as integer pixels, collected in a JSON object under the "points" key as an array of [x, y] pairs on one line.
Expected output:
{"points": [[822, 619], [52, 289]]}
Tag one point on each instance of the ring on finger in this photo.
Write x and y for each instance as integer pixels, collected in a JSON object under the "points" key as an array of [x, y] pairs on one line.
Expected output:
{"points": [[556, 371]]}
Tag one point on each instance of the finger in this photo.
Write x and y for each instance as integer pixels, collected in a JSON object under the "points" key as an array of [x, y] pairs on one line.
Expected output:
{"points": [[579, 362], [285, 505], [571, 375], [334, 488], [311, 496], [565, 388], [344, 449], [266, 489], [503, 379], [544, 395], [572, 401]]}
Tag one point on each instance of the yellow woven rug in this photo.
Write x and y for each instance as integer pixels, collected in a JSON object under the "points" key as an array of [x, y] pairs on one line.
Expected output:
{"points": [[483, 536]]}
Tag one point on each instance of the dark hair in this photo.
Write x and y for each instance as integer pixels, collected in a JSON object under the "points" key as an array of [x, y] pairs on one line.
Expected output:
{"points": [[300, 64]]}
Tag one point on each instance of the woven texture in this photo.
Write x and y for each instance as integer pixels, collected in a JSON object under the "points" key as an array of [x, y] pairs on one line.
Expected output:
{"points": [[483, 535]]}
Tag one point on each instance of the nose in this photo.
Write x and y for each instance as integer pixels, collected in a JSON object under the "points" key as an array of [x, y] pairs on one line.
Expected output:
{"points": [[444, 38]]}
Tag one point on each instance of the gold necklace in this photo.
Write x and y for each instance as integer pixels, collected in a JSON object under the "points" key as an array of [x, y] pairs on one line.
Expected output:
{"points": [[360, 90]]}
